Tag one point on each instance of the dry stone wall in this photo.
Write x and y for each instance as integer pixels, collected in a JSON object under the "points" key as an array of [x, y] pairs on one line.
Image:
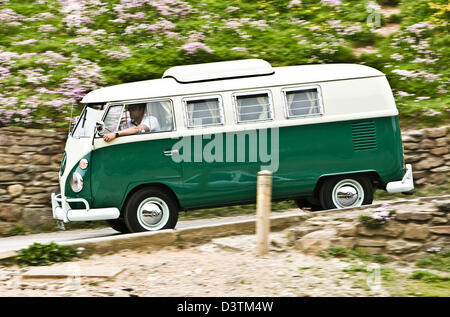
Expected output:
{"points": [[428, 152], [419, 228], [30, 161]]}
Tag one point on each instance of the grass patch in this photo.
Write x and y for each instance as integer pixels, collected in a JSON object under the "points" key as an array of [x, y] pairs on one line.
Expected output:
{"points": [[342, 252], [15, 230], [439, 261], [423, 191]]}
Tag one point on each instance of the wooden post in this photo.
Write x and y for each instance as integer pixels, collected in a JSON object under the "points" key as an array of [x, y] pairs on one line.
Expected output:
{"points": [[263, 201]]}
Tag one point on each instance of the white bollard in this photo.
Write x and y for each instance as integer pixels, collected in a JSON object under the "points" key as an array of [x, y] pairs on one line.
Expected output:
{"points": [[263, 201]]}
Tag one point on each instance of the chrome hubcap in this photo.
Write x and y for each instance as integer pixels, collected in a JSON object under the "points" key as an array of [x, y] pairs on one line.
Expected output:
{"points": [[153, 213], [348, 193]]}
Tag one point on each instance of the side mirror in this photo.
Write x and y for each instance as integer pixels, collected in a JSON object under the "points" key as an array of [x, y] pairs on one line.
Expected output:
{"points": [[100, 127]]}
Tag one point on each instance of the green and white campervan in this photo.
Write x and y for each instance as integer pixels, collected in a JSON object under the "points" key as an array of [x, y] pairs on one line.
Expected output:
{"points": [[329, 133]]}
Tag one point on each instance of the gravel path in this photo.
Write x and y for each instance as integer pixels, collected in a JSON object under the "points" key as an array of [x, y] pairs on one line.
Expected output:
{"points": [[206, 270]]}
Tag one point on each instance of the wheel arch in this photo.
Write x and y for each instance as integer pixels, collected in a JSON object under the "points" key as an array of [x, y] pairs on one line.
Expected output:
{"points": [[150, 185], [373, 176]]}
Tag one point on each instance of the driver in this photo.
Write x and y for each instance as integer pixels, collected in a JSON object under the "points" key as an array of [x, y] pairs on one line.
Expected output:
{"points": [[137, 124]]}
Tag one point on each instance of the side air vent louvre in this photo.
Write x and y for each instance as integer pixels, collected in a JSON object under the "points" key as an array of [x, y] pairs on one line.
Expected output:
{"points": [[364, 135]]}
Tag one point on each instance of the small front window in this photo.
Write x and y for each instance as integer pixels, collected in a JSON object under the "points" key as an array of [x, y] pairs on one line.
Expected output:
{"points": [[85, 124], [255, 107], [304, 102], [203, 112]]}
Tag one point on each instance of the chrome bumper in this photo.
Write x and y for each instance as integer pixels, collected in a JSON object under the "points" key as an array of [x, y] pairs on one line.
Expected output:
{"points": [[63, 214], [405, 185]]}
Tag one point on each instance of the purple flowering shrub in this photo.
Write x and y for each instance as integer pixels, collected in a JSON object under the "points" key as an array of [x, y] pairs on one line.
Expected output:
{"points": [[53, 52], [378, 217]]}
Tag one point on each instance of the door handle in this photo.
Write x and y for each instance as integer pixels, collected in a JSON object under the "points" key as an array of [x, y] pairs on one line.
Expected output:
{"points": [[170, 152]]}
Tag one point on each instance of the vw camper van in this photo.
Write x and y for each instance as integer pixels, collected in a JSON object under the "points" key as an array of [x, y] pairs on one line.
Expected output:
{"points": [[329, 133]]}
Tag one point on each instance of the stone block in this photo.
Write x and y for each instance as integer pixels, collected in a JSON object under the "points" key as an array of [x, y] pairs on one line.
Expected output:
{"points": [[416, 232], [6, 176], [10, 212], [41, 159], [402, 246], [438, 178], [316, 241], [298, 232], [17, 149], [6, 140], [370, 243], [441, 169], [442, 205], [441, 230], [411, 146], [439, 221], [439, 151], [436, 132], [35, 217], [441, 142], [15, 190], [429, 163], [427, 144], [421, 215], [402, 215], [51, 149], [348, 243], [346, 230]]}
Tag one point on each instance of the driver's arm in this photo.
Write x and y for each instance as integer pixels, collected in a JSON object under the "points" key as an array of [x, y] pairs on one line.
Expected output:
{"points": [[129, 131]]}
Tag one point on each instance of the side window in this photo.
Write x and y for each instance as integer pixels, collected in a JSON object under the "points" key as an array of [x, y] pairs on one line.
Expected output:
{"points": [[112, 118], [254, 107], [161, 115], [302, 102], [203, 112]]}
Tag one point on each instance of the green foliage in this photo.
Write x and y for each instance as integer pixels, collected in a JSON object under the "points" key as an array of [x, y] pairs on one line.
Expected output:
{"points": [[39, 254], [428, 277], [14, 230], [358, 253], [375, 220], [439, 261], [283, 34]]}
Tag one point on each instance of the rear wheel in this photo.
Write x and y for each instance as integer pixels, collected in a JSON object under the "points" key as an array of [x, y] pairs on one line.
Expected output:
{"points": [[346, 192], [151, 209]]}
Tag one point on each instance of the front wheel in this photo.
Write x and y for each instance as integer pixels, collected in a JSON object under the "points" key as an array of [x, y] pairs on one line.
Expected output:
{"points": [[151, 209], [346, 192]]}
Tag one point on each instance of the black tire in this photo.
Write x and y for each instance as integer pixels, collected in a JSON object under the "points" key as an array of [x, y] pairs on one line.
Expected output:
{"points": [[361, 184], [118, 225], [305, 203], [156, 203]]}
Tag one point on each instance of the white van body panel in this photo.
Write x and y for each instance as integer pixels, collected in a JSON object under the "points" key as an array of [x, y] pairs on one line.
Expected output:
{"points": [[288, 75], [342, 100]]}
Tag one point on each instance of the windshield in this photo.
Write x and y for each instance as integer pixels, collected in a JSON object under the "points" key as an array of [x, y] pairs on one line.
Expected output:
{"points": [[85, 125]]}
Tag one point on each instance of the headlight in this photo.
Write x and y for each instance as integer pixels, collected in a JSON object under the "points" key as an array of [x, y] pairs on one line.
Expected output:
{"points": [[83, 164], [76, 182]]}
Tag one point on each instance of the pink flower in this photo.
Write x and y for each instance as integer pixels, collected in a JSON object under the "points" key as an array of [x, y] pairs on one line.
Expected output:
{"points": [[193, 47]]}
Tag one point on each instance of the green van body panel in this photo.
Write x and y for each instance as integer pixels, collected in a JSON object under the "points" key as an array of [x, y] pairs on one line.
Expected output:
{"points": [[306, 153]]}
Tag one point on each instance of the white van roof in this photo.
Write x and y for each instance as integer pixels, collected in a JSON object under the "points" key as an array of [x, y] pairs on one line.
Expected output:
{"points": [[224, 76], [219, 70]]}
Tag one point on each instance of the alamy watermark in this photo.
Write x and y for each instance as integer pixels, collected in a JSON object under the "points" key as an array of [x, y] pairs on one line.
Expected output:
{"points": [[259, 146]]}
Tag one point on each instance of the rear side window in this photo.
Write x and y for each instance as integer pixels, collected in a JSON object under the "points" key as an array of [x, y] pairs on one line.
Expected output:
{"points": [[202, 112], [302, 102], [253, 107]]}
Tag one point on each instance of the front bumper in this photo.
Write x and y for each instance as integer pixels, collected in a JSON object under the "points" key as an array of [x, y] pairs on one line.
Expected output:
{"points": [[405, 185], [63, 213]]}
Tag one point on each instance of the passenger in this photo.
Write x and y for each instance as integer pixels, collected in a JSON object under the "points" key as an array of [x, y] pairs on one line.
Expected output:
{"points": [[137, 124]]}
